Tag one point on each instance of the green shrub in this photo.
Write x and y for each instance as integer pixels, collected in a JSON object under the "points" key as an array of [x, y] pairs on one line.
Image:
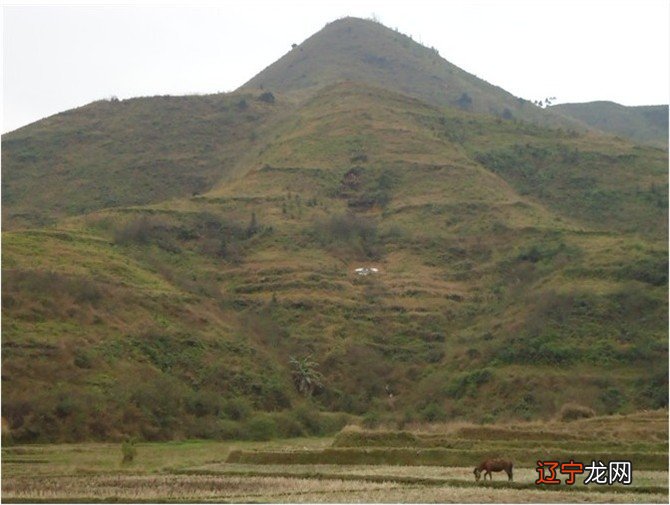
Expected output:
{"points": [[309, 418], [464, 101], [612, 399], [371, 419], [262, 428], [129, 451], [332, 422], [148, 230], [168, 350], [364, 192], [408, 416], [653, 270], [468, 383], [526, 407], [208, 428], [137, 231], [158, 400], [539, 349], [267, 97], [287, 425], [653, 391], [204, 403], [237, 409], [82, 359], [231, 430], [433, 413]]}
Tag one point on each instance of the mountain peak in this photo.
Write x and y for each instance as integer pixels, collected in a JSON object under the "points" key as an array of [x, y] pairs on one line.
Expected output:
{"points": [[352, 20], [365, 51]]}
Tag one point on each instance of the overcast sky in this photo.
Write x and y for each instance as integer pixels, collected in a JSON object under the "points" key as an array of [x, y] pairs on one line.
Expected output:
{"points": [[56, 58]]}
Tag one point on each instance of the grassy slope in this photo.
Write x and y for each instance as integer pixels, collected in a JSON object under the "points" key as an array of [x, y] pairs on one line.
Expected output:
{"points": [[352, 49], [118, 340], [645, 124], [514, 260], [130, 152]]}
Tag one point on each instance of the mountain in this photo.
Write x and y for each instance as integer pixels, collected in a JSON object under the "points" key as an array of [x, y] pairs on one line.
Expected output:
{"points": [[358, 50], [519, 267], [645, 124]]}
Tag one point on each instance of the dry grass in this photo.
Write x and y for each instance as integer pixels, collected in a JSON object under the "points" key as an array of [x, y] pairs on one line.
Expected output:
{"points": [[638, 426], [152, 458], [174, 487], [521, 475], [419, 494], [161, 488]]}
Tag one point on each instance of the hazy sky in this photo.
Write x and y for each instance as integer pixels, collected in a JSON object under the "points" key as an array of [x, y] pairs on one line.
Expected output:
{"points": [[56, 57]]}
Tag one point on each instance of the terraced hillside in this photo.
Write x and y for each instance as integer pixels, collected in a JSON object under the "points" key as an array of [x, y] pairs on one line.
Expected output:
{"points": [[519, 268]]}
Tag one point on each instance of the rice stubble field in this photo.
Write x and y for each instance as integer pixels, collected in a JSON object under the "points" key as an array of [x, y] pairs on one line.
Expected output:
{"points": [[210, 471]]}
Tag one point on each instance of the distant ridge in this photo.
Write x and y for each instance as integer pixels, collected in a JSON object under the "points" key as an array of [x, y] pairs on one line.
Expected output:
{"points": [[646, 123], [364, 51]]}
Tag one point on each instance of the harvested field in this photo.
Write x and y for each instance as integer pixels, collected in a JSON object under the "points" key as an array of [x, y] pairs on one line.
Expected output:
{"points": [[246, 488], [311, 470], [174, 488]]}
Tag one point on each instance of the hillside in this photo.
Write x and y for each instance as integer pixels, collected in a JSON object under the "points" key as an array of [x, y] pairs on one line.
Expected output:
{"points": [[519, 267], [128, 152], [644, 124], [358, 50]]}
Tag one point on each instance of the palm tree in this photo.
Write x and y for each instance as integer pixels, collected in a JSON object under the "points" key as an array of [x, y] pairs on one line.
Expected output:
{"points": [[306, 375]]}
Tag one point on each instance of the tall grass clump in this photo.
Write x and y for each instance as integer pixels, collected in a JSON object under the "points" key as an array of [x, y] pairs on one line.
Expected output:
{"points": [[573, 411]]}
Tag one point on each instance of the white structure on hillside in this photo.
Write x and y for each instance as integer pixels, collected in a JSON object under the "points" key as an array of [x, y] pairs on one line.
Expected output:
{"points": [[366, 270]]}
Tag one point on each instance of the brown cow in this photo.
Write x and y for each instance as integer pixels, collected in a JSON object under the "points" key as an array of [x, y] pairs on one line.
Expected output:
{"points": [[494, 465]]}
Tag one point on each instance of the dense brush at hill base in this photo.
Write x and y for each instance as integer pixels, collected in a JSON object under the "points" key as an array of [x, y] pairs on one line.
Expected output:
{"points": [[178, 267]]}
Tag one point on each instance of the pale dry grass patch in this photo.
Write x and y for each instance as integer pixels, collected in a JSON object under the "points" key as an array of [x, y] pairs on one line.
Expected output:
{"points": [[639, 426], [424, 472], [105, 458], [422, 494], [174, 487]]}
